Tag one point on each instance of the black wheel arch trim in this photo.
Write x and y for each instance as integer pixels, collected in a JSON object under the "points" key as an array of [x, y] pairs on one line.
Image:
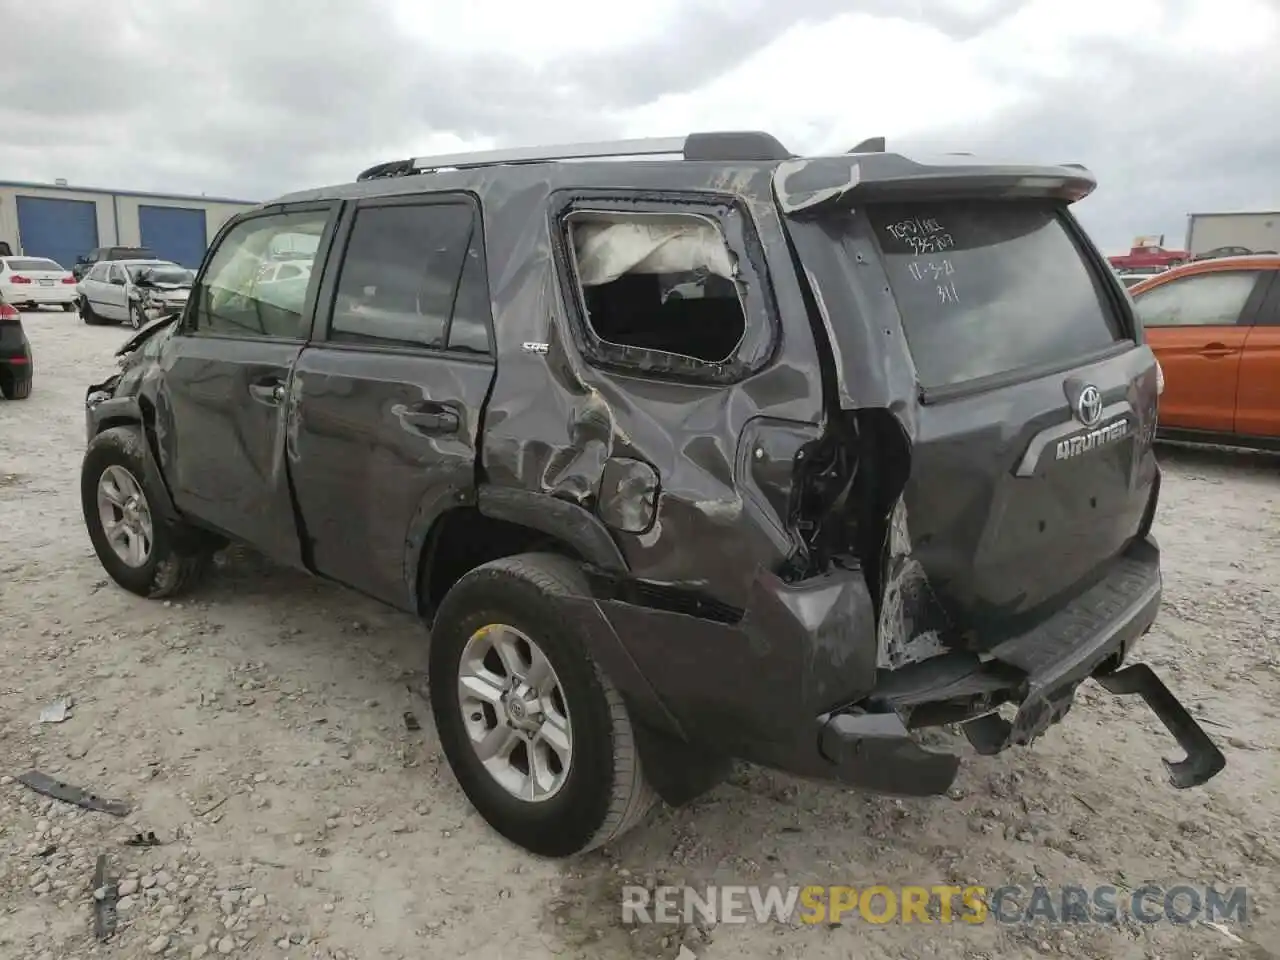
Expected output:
{"points": [[567, 522], [125, 412]]}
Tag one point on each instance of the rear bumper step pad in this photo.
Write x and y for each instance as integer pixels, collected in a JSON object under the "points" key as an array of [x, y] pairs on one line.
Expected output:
{"points": [[1204, 760]]}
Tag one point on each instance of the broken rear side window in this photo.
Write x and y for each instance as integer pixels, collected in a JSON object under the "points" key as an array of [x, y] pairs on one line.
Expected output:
{"points": [[988, 287], [661, 282]]}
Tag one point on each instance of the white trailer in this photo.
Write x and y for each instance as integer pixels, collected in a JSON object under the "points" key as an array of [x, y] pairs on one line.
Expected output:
{"points": [[1253, 232]]}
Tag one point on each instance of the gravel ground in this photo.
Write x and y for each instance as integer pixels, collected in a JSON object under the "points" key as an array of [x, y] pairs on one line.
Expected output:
{"points": [[257, 727]]}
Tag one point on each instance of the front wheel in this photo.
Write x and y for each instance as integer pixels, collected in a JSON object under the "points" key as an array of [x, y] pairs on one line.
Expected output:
{"points": [[137, 319], [137, 548], [539, 739]]}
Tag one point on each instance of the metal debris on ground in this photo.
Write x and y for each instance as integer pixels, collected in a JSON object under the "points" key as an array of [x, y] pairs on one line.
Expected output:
{"points": [[48, 851], [212, 807], [411, 722], [70, 793], [57, 711], [1220, 928], [147, 839], [105, 896]]}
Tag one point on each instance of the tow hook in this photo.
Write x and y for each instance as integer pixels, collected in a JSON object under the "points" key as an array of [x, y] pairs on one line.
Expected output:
{"points": [[1204, 760]]}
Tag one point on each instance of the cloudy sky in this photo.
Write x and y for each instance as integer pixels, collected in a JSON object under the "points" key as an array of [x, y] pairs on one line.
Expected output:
{"points": [[1173, 103]]}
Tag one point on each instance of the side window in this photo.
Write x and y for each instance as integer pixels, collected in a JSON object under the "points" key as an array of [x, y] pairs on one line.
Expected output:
{"points": [[409, 274], [660, 282], [117, 274], [1203, 300], [237, 297], [99, 272]]}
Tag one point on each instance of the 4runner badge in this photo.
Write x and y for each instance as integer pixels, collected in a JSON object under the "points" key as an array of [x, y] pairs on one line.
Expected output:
{"points": [[1084, 442]]}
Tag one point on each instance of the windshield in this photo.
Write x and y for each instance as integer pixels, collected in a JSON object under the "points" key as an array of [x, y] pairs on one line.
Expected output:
{"points": [[164, 274], [987, 287], [33, 264]]}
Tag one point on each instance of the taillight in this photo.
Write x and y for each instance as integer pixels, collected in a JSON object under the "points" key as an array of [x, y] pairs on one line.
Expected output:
{"points": [[68, 279], [19, 279], [9, 313]]}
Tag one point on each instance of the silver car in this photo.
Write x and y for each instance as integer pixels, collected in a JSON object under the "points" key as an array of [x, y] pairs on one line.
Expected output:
{"points": [[132, 291]]}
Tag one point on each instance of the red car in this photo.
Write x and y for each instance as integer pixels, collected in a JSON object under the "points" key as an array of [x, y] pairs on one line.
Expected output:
{"points": [[15, 354], [1214, 325]]}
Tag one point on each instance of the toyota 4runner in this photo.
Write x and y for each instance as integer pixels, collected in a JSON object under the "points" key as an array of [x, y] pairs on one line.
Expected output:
{"points": [[687, 451]]}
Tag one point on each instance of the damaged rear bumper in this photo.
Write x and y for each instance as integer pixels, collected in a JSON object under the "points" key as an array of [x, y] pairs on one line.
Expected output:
{"points": [[792, 682]]}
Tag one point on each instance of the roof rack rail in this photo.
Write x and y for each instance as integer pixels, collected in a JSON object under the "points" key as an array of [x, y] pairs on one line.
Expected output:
{"points": [[725, 146]]}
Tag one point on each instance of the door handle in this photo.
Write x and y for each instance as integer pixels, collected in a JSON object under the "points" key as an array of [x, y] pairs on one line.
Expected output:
{"points": [[1214, 350], [431, 418], [268, 391]]}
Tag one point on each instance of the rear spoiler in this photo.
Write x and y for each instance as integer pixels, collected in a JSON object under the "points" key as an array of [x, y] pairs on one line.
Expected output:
{"points": [[806, 185]]}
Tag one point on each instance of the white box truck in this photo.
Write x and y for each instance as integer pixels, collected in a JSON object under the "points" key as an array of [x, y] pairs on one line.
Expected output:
{"points": [[1232, 234]]}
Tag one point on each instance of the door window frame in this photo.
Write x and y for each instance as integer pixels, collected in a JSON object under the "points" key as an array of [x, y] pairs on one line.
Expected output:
{"points": [[1268, 314], [328, 288], [762, 332], [324, 251], [1249, 313]]}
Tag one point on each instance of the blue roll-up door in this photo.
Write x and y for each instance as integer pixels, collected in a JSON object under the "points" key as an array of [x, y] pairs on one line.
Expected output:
{"points": [[58, 229], [173, 233]]}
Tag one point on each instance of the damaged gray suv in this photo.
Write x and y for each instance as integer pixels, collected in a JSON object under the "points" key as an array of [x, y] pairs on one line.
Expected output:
{"points": [[687, 451]]}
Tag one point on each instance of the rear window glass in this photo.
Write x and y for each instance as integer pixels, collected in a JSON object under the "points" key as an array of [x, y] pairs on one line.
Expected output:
{"points": [[989, 287], [32, 263]]}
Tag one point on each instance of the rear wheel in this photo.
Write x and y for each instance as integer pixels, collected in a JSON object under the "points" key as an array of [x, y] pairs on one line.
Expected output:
{"points": [[138, 549], [68, 307], [15, 389], [87, 314], [539, 739]]}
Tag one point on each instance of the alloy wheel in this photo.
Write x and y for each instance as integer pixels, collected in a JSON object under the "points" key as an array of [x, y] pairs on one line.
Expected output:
{"points": [[514, 712], [125, 516]]}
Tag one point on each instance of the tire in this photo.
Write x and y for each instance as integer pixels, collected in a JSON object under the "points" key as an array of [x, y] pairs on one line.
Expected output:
{"points": [[87, 314], [603, 792], [136, 318], [167, 568], [68, 307], [16, 389]]}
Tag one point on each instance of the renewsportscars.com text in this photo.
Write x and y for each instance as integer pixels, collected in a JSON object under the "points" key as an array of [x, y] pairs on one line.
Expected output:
{"points": [[879, 904]]}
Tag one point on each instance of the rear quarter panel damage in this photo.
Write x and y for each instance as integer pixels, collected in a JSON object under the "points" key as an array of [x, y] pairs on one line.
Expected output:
{"points": [[557, 425]]}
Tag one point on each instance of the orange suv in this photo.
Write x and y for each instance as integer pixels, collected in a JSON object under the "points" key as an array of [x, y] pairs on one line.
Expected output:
{"points": [[1214, 325]]}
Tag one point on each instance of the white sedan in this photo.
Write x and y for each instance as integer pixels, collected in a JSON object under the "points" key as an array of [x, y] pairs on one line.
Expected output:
{"points": [[133, 291], [34, 282]]}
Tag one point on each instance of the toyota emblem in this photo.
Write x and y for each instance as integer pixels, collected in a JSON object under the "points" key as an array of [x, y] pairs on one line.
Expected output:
{"points": [[1089, 406]]}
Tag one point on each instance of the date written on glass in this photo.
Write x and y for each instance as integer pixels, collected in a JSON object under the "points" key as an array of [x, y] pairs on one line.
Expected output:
{"points": [[936, 272]]}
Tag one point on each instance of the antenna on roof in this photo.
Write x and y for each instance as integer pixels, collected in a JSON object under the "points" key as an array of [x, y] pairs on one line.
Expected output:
{"points": [[724, 147], [870, 145]]}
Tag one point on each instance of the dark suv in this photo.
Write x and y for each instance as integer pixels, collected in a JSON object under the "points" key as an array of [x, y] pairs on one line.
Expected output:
{"points": [[688, 451], [98, 254]]}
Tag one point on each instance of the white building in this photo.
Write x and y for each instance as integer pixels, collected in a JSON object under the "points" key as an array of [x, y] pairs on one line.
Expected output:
{"points": [[63, 223], [1256, 232]]}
